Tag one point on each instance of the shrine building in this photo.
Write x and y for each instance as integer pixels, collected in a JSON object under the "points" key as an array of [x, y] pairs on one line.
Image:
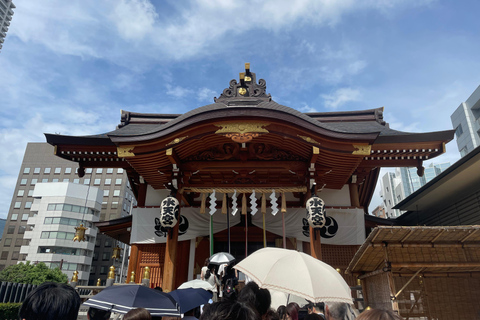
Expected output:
{"points": [[242, 169]]}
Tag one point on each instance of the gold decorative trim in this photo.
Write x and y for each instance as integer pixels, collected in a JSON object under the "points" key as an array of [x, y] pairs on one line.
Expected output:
{"points": [[309, 140], [363, 150], [242, 132], [176, 140], [125, 151]]}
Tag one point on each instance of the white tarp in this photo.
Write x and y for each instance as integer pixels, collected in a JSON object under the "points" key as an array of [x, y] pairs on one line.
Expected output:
{"points": [[344, 226]]}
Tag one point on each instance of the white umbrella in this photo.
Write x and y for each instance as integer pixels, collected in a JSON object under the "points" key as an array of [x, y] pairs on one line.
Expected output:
{"points": [[295, 273], [281, 298], [221, 258], [197, 283]]}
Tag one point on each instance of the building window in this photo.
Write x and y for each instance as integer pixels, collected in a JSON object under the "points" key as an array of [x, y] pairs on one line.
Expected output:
{"points": [[99, 170], [108, 182], [108, 243], [45, 180], [55, 180], [20, 193], [17, 205], [95, 256], [33, 182], [4, 255], [104, 205], [464, 151], [459, 130], [18, 242], [26, 171], [89, 170], [15, 255], [103, 270], [14, 217], [76, 180], [47, 170], [118, 181], [30, 193], [28, 204], [36, 170], [114, 205], [119, 170], [86, 181], [68, 170], [116, 193], [106, 256], [58, 170], [96, 182], [93, 269], [66, 180], [21, 229], [23, 182], [106, 193], [25, 216], [11, 230], [110, 170], [7, 242]]}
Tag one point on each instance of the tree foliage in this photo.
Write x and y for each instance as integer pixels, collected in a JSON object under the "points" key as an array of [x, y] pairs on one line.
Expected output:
{"points": [[32, 273]]}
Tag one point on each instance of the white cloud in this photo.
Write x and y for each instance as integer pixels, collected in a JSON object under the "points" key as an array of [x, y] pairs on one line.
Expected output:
{"points": [[205, 94], [340, 97], [177, 91], [134, 19]]}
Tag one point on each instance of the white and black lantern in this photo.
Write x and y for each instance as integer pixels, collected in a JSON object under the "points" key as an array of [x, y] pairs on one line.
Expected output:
{"points": [[169, 212], [316, 212]]}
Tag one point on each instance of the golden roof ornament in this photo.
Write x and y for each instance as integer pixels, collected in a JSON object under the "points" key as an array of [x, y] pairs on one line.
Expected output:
{"points": [[245, 92], [132, 277], [79, 233], [75, 276], [111, 273], [116, 252], [99, 282], [146, 274]]}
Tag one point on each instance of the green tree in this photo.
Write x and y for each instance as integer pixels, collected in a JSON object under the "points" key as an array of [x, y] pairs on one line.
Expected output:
{"points": [[32, 273]]}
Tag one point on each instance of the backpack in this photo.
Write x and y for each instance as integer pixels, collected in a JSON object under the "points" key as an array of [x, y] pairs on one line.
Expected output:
{"points": [[229, 289]]}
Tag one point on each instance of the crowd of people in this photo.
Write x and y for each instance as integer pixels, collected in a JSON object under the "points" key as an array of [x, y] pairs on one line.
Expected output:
{"points": [[51, 301]]}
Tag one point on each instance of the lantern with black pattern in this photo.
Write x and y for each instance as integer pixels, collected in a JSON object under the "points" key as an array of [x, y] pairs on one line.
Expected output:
{"points": [[169, 212]]}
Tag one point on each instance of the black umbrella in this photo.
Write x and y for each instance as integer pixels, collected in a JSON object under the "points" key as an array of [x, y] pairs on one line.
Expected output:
{"points": [[124, 298], [190, 298]]}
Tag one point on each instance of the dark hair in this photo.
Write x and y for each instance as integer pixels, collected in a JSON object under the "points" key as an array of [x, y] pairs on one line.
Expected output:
{"points": [[137, 314], [319, 306], [271, 315], [292, 310], [208, 273], [229, 310], [259, 298], [51, 300], [97, 314], [378, 314], [282, 311], [313, 316]]}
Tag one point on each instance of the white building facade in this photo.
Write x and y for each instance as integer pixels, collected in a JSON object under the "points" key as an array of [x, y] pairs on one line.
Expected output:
{"points": [[57, 209], [6, 13], [466, 121]]}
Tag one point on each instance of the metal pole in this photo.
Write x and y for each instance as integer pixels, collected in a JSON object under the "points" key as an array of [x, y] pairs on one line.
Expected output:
{"points": [[228, 224]]}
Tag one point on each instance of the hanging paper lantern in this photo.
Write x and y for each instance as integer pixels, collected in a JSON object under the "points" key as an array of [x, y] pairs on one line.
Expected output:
{"points": [[169, 212], [316, 212]]}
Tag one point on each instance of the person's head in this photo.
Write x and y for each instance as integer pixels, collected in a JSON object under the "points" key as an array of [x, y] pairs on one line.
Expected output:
{"points": [[339, 311], [282, 312], [259, 298], [292, 311], [158, 288], [51, 300], [316, 307], [97, 314], [229, 310], [271, 315], [207, 261], [137, 314], [378, 314], [313, 316]]}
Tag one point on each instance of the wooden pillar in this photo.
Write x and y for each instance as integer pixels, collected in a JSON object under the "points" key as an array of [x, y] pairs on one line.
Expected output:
{"points": [[354, 198], [315, 243], [168, 281], [132, 261], [393, 292], [142, 194]]}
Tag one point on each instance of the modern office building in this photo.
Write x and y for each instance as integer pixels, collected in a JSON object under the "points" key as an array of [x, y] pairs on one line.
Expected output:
{"points": [[6, 13], [41, 165], [466, 121], [398, 185], [57, 209]]}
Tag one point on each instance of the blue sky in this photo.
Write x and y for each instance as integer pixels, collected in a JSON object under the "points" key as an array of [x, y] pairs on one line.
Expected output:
{"points": [[69, 67]]}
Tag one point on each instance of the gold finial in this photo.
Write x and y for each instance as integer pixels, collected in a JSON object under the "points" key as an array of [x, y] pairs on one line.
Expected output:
{"points": [[242, 75], [247, 65], [368, 308], [75, 276], [339, 270], [111, 273], [146, 274], [359, 282], [242, 91], [132, 277], [99, 282], [79, 233]]}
